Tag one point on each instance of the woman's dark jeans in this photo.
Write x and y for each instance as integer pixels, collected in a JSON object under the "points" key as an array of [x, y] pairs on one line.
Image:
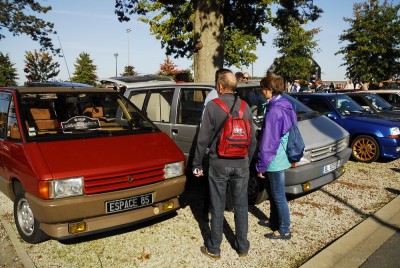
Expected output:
{"points": [[280, 216], [238, 178]]}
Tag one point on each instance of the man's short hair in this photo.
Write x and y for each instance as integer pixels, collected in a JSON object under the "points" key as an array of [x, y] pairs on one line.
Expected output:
{"points": [[220, 72], [228, 81]]}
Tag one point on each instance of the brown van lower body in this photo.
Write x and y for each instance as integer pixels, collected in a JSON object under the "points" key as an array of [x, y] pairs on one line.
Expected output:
{"points": [[56, 216]]}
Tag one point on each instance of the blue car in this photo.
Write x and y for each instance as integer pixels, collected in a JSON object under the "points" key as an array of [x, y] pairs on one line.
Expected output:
{"points": [[371, 135]]}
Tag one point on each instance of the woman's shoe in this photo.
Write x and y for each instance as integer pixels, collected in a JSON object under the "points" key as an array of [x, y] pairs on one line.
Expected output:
{"points": [[280, 236]]}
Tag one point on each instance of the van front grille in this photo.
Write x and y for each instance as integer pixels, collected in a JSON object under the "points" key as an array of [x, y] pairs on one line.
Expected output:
{"points": [[320, 153], [123, 180]]}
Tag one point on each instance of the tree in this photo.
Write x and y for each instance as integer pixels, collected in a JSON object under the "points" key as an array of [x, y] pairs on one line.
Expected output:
{"points": [[17, 22], [168, 68], [85, 70], [372, 50], [8, 74], [213, 32], [129, 70], [39, 66], [296, 46]]}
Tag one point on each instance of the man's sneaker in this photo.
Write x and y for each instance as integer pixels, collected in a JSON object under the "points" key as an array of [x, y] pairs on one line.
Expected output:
{"points": [[205, 251]]}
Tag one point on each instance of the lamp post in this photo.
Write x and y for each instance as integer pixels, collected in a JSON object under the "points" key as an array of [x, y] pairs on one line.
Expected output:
{"points": [[128, 31], [116, 64]]}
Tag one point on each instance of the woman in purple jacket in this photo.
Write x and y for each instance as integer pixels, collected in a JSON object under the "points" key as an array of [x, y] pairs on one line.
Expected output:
{"points": [[272, 158]]}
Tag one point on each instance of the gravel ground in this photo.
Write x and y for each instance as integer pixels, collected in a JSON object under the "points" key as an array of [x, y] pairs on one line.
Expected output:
{"points": [[317, 219]]}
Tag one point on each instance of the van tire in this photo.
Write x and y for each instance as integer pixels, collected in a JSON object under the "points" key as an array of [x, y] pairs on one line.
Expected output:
{"points": [[27, 225], [365, 149], [256, 190]]}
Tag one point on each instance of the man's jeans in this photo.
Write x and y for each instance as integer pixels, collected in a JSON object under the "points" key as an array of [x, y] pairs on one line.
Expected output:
{"points": [[279, 204], [238, 178]]}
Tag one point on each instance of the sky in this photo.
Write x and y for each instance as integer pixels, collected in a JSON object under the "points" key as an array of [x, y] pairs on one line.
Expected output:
{"points": [[91, 26]]}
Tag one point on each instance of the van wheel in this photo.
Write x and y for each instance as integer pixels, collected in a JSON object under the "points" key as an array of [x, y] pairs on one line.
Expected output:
{"points": [[27, 225], [256, 190], [365, 149]]}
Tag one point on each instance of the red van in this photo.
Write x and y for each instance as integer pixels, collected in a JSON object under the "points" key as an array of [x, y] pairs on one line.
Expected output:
{"points": [[80, 160]]}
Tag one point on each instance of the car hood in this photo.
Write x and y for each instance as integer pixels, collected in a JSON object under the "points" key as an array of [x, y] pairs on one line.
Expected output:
{"points": [[91, 157], [381, 119], [320, 131], [387, 115]]}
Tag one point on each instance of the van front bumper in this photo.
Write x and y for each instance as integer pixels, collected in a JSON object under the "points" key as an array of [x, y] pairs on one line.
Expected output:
{"points": [[311, 176], [55, 216]]}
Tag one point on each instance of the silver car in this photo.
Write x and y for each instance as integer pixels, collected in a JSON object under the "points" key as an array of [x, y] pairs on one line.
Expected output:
{"points": [[177, 110]]}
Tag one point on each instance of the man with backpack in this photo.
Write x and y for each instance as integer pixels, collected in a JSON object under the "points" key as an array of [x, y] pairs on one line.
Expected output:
{"points": [[226, 164]]}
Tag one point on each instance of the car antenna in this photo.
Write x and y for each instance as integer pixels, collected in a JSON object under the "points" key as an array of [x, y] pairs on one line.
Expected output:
{"points": [[63, 55]]}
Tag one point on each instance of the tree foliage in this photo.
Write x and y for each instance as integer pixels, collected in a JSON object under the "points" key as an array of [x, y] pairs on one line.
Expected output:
{"points": [[372, 43], [39, 66], [297, 47], [8, 74], [129, 70], [215, 33], [18, 18], [85, 70], [168, 68]]}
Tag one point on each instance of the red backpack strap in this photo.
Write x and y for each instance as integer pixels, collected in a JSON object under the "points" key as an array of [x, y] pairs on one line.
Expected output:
{"points": [[221, 104], [242, 108]]}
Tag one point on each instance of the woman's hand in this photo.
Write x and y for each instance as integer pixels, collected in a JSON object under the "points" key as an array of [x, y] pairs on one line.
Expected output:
{"points": [[260, 175]]}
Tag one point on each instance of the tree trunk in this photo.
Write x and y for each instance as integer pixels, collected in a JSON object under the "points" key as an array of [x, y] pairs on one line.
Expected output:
{"points": [[208, 39]]}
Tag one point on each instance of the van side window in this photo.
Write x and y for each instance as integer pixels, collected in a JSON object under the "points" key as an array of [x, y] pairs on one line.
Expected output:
{"points": [[13, 131], [159, 106], [138, 98], [4, 104], [191, 106]]}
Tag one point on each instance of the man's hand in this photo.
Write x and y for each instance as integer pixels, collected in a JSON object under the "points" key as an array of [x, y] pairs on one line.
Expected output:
{"points": [[198, 172]]}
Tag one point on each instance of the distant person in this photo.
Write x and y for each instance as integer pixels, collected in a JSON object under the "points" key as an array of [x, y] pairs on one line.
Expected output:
{"points": [[246, 77], [318, 86], [349, 85], [331, 87], [239, 76], [296, 86], [272, 159], [358, 85], [365, 85], [222, 171]]}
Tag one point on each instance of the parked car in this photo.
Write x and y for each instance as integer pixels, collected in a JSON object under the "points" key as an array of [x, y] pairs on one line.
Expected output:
{"points": [[371, 135], [374, 103], [78, 161], [177, 110], [390, 95]]}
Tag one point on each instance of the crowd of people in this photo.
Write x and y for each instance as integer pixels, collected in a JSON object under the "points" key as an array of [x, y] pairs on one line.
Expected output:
{"points": [[320, 86], [234, 172]]}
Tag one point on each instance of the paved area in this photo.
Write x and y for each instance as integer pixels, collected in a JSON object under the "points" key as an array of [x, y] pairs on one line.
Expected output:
{"points": [[375, 242]]}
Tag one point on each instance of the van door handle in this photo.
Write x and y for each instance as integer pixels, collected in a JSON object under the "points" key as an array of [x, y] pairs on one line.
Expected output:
{"points": [[174, 131]]}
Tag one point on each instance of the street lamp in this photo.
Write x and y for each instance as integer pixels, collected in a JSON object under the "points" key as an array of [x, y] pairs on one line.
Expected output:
{"points": [[128, 31], [116, 64]]}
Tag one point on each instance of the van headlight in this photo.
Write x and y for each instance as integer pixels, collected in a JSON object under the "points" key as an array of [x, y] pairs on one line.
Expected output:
{"points": [[61, 188], [173, 170], [306, 159]]}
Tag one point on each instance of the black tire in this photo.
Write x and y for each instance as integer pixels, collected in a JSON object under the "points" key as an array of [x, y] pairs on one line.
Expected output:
{"points": [[365, 149], [27, 225]]}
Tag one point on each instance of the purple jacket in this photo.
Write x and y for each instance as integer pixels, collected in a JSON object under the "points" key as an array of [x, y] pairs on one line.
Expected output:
{"points": [[276, 124]]}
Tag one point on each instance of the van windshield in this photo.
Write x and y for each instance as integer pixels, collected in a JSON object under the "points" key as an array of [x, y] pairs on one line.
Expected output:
{"points": [[254, 98], [64, 115]]}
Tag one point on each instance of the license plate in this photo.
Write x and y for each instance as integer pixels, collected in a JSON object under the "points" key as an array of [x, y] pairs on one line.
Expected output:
{"points": [[128, 203], [330, 167]]}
